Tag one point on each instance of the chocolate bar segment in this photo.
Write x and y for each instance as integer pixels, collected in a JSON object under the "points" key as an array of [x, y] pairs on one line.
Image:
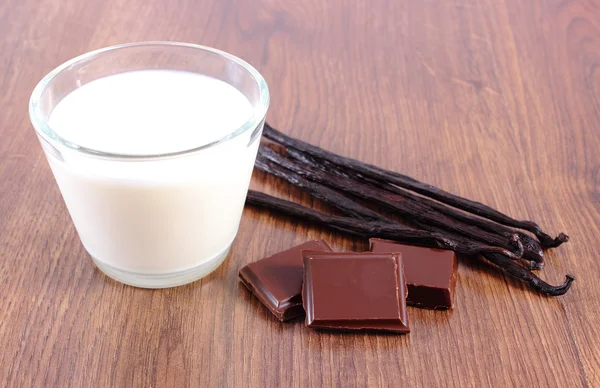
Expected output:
{"points": [[430, 273], [277, 280], [354, 291]]}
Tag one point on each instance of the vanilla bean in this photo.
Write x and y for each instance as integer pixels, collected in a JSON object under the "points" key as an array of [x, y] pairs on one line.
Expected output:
{"points": [[340, 202], [407, 182], [533, 251], [516, 271], [411, 210], [530, 264], [331, 197], [381, 229]]}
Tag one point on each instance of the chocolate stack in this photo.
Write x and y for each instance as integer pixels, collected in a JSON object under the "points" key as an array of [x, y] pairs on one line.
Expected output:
{"points": [[353, 291]]}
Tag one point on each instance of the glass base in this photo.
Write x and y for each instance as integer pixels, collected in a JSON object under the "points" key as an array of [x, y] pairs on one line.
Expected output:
{"points": [[172, 279]]}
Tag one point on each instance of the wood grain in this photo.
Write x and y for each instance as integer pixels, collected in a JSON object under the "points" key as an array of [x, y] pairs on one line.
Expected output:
{"points": [[494, 100]]}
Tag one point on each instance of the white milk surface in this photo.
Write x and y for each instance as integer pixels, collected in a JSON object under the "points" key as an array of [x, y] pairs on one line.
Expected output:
{"points": [[160, 216]]}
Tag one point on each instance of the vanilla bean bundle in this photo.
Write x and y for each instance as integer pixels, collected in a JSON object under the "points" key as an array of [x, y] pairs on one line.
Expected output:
{"points": [[533, 249], [391, 177], [406, 209], [438, 219]]}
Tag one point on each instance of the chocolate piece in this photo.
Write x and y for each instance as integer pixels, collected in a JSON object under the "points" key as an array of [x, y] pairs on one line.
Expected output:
{"points": [[354, 291], [430, 273], [277, 280]]}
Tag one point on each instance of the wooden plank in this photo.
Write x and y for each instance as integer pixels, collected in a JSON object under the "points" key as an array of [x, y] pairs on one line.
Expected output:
{"points": [[493, 100]]}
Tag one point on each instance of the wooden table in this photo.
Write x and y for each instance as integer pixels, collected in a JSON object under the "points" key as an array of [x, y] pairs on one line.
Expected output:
{"points": [[497, 101]]}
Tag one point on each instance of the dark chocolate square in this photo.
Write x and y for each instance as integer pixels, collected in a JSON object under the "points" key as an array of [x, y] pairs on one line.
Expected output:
{"points": [[354, 291], [430, 273], [277, 280]]}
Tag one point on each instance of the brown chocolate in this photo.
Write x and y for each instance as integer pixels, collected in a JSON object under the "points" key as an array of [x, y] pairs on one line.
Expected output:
{"points": [[430, 273], [354, 291], [277, 280]]}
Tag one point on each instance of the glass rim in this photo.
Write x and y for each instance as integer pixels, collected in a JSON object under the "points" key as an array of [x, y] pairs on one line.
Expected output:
{"points": [[46, 132]]}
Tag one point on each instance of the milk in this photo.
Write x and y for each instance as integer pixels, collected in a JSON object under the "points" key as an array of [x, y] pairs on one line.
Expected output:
{"points": [[158, 217]]}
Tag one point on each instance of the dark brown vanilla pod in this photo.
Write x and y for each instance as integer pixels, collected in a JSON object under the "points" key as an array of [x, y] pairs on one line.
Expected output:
{"points": [[515, 270], [381, 229], [331, 197], [342, 203], [414, 211], [345, 205], [533, 250], [382, 175]]}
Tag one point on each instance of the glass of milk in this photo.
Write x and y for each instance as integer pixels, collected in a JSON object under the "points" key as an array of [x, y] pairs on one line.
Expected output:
{"points": [[152, 145]]}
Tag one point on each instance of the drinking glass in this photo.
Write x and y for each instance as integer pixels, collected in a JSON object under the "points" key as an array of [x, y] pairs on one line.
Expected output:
{"points": [[154, 220]]}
